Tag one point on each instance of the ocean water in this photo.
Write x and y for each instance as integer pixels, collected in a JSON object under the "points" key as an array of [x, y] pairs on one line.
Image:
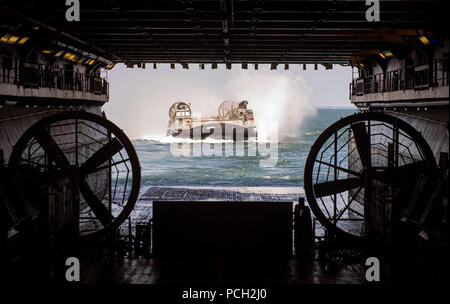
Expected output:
{"points": [[162, 167]]}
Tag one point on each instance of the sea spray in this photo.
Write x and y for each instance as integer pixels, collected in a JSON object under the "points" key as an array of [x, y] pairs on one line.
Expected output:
{"points": [[283, 98]]}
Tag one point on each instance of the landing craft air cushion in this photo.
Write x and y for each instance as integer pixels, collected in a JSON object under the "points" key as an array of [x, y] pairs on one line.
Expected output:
{"points": [[234, 121]]}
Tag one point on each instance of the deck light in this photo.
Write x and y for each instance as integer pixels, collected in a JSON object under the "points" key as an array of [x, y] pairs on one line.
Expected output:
{"points": [[109, 66], [23, 40], [382, 56], [13, 39], [387, 53], [81, 60], [70, 56], [35, 28], [5, 38], [90, 62], [47, 51], [424, 40], [59, 53]]}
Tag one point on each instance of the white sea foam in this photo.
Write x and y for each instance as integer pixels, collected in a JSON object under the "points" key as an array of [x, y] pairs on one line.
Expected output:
{"points": [[317, 132]]}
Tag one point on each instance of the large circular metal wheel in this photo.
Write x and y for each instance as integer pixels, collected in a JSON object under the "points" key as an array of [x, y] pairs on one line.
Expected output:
{"points": [[92, 154], [352, 160]]}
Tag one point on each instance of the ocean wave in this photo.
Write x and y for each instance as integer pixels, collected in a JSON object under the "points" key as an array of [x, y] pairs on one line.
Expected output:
{"points": [[317, 132], [202, 179]]}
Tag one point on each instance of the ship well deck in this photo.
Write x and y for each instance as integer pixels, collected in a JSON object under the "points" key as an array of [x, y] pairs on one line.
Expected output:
{"points": [[213, 269]]}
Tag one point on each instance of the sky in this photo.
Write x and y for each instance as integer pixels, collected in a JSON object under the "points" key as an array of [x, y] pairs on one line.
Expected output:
{"points": [[139, 99]]}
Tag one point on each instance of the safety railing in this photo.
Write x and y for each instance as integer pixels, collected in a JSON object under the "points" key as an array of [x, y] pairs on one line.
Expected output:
{"points": [[411, 78], [38, 76]]}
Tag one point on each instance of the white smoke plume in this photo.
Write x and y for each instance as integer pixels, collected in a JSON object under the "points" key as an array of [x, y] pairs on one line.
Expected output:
{"points": [[282, 98]]}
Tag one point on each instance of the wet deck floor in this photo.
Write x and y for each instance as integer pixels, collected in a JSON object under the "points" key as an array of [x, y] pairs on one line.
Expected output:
{"points": [[216, 270], [151, 271]]}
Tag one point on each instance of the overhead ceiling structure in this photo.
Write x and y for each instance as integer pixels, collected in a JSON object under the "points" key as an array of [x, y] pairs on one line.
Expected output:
{"points": [[232, 31]]}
